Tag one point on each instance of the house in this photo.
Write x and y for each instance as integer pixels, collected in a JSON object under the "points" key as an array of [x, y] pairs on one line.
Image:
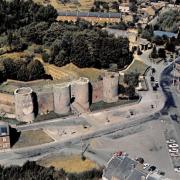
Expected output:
{"points": [[124, 8], [4, 136], [144, 44], [165, 33], [150, 11], [122, 167]]}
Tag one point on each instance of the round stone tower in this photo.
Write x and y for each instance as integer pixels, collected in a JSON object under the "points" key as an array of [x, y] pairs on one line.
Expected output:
{"points": [[110, 87], [24, 108], [80, 92], [61, 98]]}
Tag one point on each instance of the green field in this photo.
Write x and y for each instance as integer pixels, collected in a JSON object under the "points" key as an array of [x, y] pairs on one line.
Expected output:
{"points": [[32, 138]]}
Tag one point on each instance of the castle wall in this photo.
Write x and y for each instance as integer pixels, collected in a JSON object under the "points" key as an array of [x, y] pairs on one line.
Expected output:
{"points": [[24, 105], [110, 87], [7, 103], [80, 92], [45, 102], [61, 98], [97, 89]]}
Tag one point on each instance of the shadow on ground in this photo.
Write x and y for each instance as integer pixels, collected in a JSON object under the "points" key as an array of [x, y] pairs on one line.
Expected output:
{"points": [[14, 136]]}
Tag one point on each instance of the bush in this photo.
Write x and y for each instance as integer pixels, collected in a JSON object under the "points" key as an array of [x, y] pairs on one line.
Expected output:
{"points": [[45, 57], [38, 50], [162, 53], [131, 79], [154, 53], [23, 70], [31, 170]]}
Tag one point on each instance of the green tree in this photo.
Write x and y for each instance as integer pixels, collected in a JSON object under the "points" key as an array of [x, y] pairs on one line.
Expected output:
{"points": [[3, 74], [10, 39], [133, 6], [130, 91], [162, 53], [170, 45], [121, 89], [154, 52], [46, 13], [23, 74], [138, 51], [131, 79], [36, 70]]}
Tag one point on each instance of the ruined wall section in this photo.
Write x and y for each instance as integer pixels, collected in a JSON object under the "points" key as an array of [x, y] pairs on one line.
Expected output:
{"points": [[61, 98], [45, 100], [110, 87], [97, 91], [24, 106], [80, 92], [7, 103]]}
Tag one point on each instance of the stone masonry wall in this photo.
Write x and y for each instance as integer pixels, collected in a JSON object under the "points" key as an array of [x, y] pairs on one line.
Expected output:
{"points": [[7, 103]]}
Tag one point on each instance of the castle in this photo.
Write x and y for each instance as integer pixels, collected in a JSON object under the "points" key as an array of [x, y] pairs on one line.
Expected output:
{"points": [[61, 98]]}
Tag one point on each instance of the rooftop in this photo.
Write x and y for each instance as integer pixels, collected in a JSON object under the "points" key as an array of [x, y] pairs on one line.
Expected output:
{"points": [[161, 33]]}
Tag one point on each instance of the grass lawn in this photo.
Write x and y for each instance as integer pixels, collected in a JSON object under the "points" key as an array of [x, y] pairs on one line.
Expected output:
{"points": [[32, 138], [103, 105], [136, 67], [90, 73], [14, 55], [72, 163]]}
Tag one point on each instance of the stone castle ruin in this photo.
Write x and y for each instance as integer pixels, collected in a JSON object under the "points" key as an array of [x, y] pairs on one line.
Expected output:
{"points": [[24, 107], [61, 98]]}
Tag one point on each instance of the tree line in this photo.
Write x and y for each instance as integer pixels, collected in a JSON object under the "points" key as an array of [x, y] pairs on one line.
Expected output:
{"points": [[79, 43], [18, 13], [24, 69]]}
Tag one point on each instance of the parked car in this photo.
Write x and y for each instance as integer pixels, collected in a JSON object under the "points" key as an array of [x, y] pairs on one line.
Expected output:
{"points": [[174, 155], [177, 169], [170, 141], [146, 165], [153, 70], [157, 83], [174, 145], [173, 150], [154, 88], [152, 78]]}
